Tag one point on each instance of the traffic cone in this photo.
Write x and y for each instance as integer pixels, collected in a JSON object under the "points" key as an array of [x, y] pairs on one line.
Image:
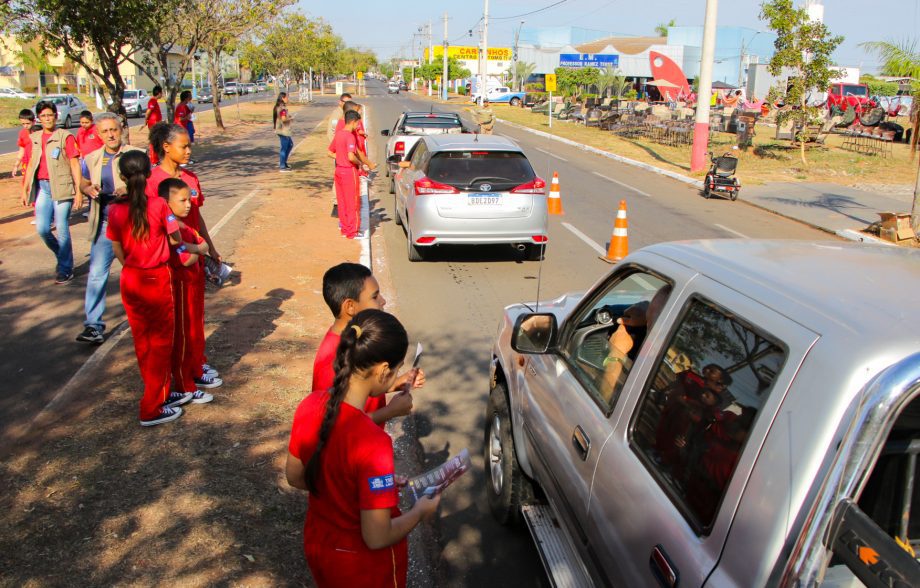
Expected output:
{"points": [[554, 202], [619, 241]]}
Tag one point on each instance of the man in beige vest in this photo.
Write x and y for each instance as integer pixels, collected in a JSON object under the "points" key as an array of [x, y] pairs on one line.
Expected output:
{"points": [[102, 183], [50, 183]]}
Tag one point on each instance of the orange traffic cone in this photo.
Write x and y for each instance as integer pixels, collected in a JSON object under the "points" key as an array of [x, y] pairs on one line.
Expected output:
{"points": [[554, 202], [619, 241]]}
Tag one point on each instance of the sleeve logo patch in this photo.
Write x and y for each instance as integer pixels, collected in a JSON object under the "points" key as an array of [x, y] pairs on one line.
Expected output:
{"points": [[171, 218], [381, 483]]}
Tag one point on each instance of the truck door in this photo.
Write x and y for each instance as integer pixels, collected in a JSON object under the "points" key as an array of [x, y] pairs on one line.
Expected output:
{"points": [[566, 416], [687, 433]]}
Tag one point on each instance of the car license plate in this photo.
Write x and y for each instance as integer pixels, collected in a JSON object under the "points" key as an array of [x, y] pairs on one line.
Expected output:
{"points": [[484, 199]]}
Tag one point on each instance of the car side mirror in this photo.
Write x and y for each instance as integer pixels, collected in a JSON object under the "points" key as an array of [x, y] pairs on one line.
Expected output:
{"points": [[534, 333], [404, 164], [385, 132]]}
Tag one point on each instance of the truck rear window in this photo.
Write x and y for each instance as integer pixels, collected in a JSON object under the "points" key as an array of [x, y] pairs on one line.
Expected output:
{"points": [[502, 170], [854, 90], [700, 405]]}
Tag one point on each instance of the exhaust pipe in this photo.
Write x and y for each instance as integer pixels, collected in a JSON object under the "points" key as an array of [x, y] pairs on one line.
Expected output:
{"points": [[521, 247]]}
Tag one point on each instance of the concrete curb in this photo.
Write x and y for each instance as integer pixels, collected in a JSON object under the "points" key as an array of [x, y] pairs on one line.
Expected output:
{"points": [[608, 155]]}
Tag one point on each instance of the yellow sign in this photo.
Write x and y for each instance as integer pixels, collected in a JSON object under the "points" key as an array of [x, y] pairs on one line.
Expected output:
{"points": [[360, 75], [437, 79], [550, 82], [464, 53]]}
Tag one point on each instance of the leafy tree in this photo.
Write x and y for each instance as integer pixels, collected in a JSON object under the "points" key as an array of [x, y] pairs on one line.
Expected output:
{"points": [[903, 60], [233, 19], [35, 58], [520, 72], [98, 38], [805, 47], [611, 79], [289, 46], [575, 81], [351, 60], [879, 87], [662, 28]]}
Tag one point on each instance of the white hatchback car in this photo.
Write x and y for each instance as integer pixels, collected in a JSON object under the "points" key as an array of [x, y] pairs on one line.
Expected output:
{"points": [[470, 190]]}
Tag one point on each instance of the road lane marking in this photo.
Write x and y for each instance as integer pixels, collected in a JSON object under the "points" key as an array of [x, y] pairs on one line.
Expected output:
{"points": [[588, 240], [732, 231], [552, 154], [627, 186], [232, 211]]}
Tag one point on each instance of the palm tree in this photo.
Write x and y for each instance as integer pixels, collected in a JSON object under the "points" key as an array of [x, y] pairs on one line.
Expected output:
{"points": [[903, 60], [36, 59], [662, 28], [520, 72]]}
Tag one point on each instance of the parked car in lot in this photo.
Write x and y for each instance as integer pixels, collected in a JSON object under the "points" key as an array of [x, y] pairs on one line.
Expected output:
{"points": [[247, 89], [716, 413], [407, 130], [68, 107], [135, 102], [470, 190], [393, 88], [500, 94], [231, 88], [15, 93], [206, 95], [261, 87]]}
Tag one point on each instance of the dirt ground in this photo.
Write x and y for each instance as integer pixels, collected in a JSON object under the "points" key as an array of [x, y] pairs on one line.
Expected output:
{"points": [[92, 499]]}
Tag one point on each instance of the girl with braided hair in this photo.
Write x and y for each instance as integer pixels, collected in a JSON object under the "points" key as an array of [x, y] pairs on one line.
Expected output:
{"points": [[354, 533]]}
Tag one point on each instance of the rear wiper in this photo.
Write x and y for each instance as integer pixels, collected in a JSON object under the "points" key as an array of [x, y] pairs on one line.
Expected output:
{"points": [[474, 180]]}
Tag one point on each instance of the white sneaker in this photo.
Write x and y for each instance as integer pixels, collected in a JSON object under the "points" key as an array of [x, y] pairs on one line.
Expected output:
{"points": [[201, 397], [176, 399], [207, 369], [208, 381]]}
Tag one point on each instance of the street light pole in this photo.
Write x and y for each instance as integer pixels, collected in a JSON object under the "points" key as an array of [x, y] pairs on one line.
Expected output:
{"points": [[444, 69], [701, 128], [485, 46], [514, 61]]}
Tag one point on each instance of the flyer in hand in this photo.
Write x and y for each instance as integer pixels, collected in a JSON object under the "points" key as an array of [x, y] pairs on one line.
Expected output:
{"points": [[435, 481]]}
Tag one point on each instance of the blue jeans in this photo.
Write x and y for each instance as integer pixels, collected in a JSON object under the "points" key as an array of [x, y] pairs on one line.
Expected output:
{"points": [[100, 262], [287, 145], [46, 211]]}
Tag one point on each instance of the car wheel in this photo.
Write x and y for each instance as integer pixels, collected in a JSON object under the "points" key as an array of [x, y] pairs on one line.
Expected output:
{"points": [[392, 185], [67, 122], [397, 217], [534, 252], [414, 253], [506, 486], [734, 195], [140, 111], [515, 102]]}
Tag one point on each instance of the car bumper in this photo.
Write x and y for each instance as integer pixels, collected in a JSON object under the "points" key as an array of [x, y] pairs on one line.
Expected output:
{"points": [[465, 231]]}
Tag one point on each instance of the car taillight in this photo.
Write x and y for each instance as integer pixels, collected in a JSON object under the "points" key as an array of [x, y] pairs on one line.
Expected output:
{"points": [[424, 186], [425, 240], [400, 147], [537, 186], [540, 238]]}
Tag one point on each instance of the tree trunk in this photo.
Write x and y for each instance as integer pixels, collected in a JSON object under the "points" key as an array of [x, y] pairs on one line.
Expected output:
{"points": [[915, 209], [214, 71], [914, 137]]}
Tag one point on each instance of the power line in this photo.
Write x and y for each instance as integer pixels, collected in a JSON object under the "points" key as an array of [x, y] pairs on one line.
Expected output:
{"points": [[531, 12]]}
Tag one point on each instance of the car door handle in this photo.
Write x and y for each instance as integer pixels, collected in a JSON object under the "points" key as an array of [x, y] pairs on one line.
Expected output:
{"points": [[581, 442], [662, 568]]}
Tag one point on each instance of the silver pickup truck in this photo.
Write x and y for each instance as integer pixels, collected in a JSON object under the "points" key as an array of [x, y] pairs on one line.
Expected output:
{"points": [[407, 130], [716, 413]]}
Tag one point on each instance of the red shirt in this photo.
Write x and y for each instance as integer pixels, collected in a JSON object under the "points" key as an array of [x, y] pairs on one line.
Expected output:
{"points": [[182, 112], [360, 137], [25, 142], [70, 150], [156, 115], [157, 175], [356, 472], [324, 374], [180, 271], [154, 250], [88, 140], [342, 144]]}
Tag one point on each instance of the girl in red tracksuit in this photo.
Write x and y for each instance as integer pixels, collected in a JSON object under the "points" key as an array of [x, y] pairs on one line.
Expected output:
{"points": [[354, 533], [141, 231], [171, 143], [186, 274]]}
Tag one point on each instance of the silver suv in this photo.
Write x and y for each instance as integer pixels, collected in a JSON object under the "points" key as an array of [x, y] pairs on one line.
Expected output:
{"points": [[470, 190], [718, 413]]}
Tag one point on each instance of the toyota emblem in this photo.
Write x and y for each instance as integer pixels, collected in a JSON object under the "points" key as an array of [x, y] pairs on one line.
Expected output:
{"points": [[485, 187]]}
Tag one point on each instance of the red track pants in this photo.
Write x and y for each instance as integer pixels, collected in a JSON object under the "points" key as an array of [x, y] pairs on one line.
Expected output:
{"points": [[185, 361], [378, 568], [346, 196], [148, 301], [196, 327]]}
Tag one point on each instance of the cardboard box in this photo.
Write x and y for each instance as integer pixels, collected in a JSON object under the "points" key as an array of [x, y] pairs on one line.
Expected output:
{"points": [[895, 226]]}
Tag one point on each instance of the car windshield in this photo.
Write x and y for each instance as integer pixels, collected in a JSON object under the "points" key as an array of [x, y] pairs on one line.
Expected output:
{"points": [[503, 170], [130, 94], [855, 90]]}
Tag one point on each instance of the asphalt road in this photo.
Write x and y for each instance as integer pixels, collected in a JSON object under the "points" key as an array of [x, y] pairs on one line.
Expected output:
{"points": [[453, 304], [8, 136]]}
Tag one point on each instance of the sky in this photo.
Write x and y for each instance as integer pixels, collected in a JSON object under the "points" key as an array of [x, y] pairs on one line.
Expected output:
{"points": [[387, 27]]}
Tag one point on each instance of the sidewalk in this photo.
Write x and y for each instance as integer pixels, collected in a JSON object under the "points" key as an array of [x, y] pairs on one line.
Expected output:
{"points": [[93, 499]]}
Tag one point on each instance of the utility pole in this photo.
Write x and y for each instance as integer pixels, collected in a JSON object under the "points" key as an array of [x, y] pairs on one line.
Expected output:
{"points": [[430, 54], [514, 60], [444, 68], [701, 128], [485, 45]]}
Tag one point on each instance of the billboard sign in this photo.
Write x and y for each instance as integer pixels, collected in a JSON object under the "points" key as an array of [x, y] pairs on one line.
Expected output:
{"points": [[465, 53], [600, 60]]}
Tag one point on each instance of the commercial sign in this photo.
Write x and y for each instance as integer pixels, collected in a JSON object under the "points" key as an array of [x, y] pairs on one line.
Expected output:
{"points": [[469, 53], [600, 60]]}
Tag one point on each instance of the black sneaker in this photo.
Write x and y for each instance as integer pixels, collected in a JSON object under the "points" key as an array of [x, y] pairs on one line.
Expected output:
{"points": [[166, 414], [335, 211], [62, 278], [208, 381], [176, 399], [91, 335]]}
